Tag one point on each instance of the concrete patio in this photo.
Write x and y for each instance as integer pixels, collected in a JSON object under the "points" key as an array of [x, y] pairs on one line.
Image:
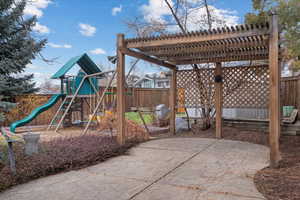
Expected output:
{"points": [[171, 169]]}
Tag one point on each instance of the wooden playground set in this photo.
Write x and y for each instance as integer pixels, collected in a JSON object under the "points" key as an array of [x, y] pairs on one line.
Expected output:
{"points": [[75, 91]]}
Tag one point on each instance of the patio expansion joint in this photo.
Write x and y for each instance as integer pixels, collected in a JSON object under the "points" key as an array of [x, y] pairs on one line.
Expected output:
{"points": [[172, 170], [123, 177], [164, 149]]}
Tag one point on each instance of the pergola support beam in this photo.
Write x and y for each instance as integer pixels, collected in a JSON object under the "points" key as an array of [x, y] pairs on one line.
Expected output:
{"points": [[218, 99], [120, 91], [274, 105], [172, 101], [147, 58]]}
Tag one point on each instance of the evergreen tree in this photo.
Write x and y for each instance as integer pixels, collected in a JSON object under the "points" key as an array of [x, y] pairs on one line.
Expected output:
{"points": [[18, 47], [289, 20]]}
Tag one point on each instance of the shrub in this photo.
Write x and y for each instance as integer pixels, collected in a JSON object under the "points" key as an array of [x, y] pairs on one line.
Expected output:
{"points": [[61, 154]]}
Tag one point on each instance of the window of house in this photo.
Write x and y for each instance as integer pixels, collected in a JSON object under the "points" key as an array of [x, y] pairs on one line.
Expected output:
{"points": [[147, 84]]}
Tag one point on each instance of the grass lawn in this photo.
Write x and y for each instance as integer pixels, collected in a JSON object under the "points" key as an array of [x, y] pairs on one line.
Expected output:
{"points": [[134, 116]]}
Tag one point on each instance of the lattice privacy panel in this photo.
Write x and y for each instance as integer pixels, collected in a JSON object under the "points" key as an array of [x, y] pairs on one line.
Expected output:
{"points": [[243, 87], [198, 87]]}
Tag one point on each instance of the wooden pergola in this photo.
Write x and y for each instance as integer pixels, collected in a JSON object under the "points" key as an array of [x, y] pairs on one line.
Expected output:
{"points": [[238, 43]]}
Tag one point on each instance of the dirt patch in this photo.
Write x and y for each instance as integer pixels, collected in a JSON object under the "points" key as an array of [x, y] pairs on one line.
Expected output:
{"points": [[275, 184]]}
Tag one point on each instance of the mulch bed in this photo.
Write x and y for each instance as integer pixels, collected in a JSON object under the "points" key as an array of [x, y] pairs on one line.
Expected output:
{"points": [[61, 155], [68, 152], [275, 184]]}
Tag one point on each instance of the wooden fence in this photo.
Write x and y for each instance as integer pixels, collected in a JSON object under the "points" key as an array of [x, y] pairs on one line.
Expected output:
{"points": [[137, 97], [290, 91], [142, 97]]}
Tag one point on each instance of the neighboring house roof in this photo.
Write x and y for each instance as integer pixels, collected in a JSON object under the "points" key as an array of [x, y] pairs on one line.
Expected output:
{"points": [[132, 79], [142, 79], [156, 78], [84, 62]]}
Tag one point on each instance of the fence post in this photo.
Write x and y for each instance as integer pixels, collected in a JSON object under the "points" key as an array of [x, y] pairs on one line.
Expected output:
{"points": [[11, 157], [10, 151]]}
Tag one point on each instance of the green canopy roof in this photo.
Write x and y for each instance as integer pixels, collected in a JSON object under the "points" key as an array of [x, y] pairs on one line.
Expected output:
{"points": [[84, 62]]}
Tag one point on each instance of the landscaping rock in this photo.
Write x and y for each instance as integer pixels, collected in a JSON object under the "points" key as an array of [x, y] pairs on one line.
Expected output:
{"points": [[162, 112], [181, 124], [31, 143]]}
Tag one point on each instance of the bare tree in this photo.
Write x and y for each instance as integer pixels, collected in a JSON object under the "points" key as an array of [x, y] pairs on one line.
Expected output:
{"points": [[186, 15], [49, 87], [206, 99]]}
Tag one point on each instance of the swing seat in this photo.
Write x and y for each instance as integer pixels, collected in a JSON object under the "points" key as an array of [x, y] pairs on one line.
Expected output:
{"points": [[108, 112]]}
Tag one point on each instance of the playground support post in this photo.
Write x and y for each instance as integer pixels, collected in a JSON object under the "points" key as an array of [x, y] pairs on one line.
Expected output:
{"points": [[143, 120], [61, 85], [120, 90]]}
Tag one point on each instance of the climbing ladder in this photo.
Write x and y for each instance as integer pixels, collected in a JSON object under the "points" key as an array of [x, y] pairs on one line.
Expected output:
{"points": [[57, 114], [76, 106]]}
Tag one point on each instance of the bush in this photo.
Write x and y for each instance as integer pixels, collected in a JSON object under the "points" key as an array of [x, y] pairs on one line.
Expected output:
{"points": [[61, 154]]}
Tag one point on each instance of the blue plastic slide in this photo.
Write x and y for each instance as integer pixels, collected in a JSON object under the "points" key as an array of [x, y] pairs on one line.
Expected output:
{"points": [[35, 112]]}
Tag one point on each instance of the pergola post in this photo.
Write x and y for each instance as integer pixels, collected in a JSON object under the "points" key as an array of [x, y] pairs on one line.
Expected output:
{"points": [[120, 90], [172, 102], [218, 99], [274, 101]]}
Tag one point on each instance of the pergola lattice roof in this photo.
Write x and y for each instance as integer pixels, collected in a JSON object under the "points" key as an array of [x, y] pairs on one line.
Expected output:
{"points": [[236, 43]]}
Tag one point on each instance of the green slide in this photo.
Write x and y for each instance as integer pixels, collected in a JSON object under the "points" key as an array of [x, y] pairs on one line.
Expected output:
{"points": [[35, 112]]}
